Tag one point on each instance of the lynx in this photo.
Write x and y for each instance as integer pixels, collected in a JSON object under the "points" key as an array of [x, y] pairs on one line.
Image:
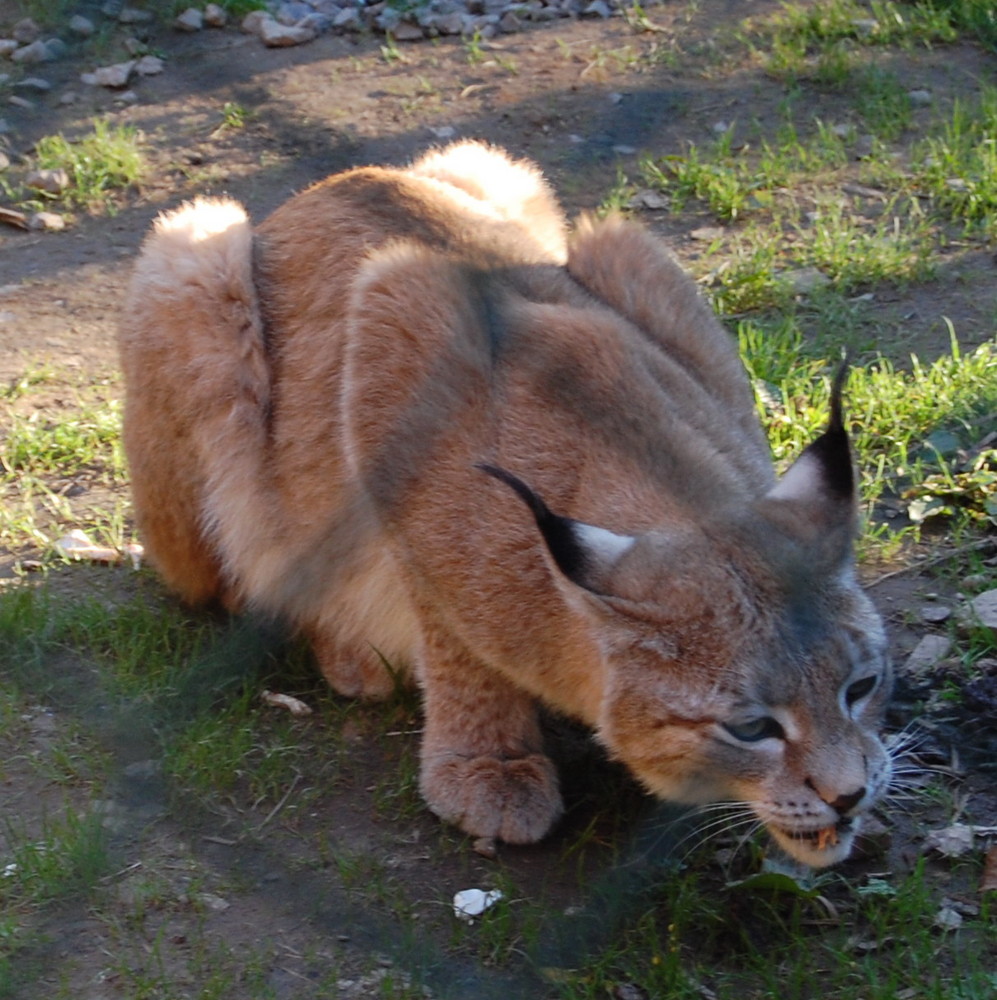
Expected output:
{"points": [[421, 419]]}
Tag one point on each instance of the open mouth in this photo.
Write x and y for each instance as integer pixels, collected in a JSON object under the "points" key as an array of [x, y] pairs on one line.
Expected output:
{"points": [[822, 839]]}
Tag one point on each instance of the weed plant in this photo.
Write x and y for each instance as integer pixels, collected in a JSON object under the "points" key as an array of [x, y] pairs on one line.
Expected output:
{"points": [[100, 163]]}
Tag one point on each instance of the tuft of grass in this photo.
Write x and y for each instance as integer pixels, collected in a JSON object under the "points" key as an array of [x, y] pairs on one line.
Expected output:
{"points": [[100, 163]]}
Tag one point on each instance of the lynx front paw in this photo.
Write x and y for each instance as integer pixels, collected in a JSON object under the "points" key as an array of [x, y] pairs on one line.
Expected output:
{"points": [[515, 800]]}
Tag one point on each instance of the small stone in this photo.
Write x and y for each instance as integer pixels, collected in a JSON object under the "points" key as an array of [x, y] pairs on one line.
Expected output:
{"points": [[149, 66], [215, 16], [114, 76], [57, 48], [50, 181], [349, 19], [252, 23], [81, 26], [930, 651], [448, 24], [981, 610], [190, 20], [126, 97], [804, 280], [509, 24], [47, 222], [69, 97], [865, 26], [275, 35], [21, 102], [406, 31], [132, 15], [36, 52], [291, 14], [920, 98], [35, 83], [935, 614], [621, 149], [4, 160], [654, 201], [598, 8], [7, 47], [26, 31]]}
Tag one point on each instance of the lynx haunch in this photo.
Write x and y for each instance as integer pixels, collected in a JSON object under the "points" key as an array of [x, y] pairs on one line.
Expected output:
{"points": [[414, 415]]}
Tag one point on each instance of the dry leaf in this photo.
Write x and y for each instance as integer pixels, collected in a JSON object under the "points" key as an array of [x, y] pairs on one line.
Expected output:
{"points": [[294, 705], [952, 841], [12, 217], [77, 545], [989, 881]]}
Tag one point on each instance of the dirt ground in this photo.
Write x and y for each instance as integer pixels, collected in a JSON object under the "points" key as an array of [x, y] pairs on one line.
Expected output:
{"points": [[582, 98]]}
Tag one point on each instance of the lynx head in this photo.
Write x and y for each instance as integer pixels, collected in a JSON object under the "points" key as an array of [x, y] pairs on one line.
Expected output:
{"points": [[742, 661]]}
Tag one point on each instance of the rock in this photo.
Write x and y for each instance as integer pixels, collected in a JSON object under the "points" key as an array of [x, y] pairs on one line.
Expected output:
{"points": [[81, 26], [926, 654], [981, 610], [110, 76], [598, 8], [920, 98], [35, 83], [349, 19], [509, 24], [36, 52], [275, 35], [190, 20], [131, 15], [26, 31], [252, 23], [215, 16], [21, 102], [406, 31], [448, 24], [8, 47], [50, 181], [47, 221], [935, 614], [149, 66], [291, 14], [655, 201], [57, 48], [865, 26], [4, 160], [804, 280]]}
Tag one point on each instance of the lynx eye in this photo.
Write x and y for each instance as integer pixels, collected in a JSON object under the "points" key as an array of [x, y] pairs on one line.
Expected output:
{"points": [[755, 730], [860, 689]]}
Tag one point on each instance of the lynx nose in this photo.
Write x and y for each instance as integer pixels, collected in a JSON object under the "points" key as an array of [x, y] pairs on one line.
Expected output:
{"points": [[843, 804]]}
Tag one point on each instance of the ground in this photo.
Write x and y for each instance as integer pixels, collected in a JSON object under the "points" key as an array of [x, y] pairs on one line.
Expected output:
{"points": [[235, 881]]}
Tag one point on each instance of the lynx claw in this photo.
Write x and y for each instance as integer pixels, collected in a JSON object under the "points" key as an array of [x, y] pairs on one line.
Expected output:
{"points": [[515, 800]]}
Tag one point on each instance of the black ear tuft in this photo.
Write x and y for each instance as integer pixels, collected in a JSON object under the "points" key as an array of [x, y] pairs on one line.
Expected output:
{"points": [[558, 532], [832, 448]]}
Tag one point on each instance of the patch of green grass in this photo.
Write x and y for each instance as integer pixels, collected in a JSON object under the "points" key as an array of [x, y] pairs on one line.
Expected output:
{"points": [[66, 857], [100, 163]]}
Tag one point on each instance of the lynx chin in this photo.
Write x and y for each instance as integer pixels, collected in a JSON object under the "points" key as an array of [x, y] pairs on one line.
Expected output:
{"points": [[420, 418]]}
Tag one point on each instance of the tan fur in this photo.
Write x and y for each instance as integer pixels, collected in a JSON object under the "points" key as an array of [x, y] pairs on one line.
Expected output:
{"points": [[307, 410]]}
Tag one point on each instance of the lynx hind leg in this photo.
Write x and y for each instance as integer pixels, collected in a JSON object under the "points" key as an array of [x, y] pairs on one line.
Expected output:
{"points": [[483, 767], [190, 343], [354, 670], [513, 190]]}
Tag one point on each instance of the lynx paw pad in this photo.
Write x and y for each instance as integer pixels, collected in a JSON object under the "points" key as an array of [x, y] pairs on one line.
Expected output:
{"points": [[514, 800]]}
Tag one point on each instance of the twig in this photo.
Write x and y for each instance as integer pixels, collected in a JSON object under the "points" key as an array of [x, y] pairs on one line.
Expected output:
{"points": [[280, 805], [984, 543]]}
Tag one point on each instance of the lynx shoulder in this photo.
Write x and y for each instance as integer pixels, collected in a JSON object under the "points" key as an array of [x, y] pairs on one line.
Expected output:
{"points": [[417, 416]]}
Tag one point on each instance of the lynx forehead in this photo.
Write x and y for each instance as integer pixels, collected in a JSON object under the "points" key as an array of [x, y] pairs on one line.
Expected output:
{"points": [[418, 417]]}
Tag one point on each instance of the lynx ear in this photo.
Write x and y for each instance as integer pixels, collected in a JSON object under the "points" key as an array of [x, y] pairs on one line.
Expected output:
{"points": [[817, 495], [582, 552]]}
